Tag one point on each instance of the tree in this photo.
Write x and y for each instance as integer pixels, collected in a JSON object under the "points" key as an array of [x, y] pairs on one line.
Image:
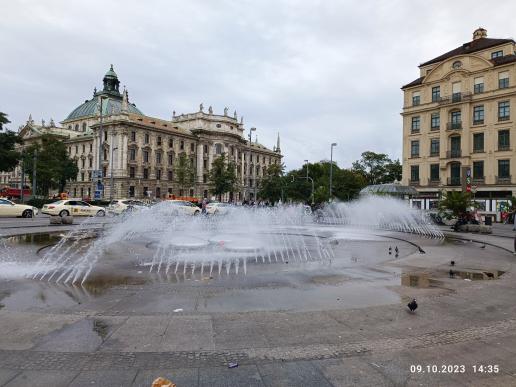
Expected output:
{"points": [[223, 177], [378, 168], [9, 157], [272, 183], [185, 172], [456, 203], [53, 167]]}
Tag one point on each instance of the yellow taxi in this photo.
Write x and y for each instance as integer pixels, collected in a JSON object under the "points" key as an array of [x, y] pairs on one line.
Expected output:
{"points": [[72, 207]]}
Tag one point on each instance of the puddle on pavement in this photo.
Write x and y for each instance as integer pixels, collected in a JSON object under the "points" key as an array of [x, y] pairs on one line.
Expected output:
{"points": [[428, 280]]}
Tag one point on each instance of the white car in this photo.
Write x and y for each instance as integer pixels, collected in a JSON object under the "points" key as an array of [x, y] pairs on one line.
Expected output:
{"points": [[181, 207], [120, 206], [72, 207], [8, 208], [218, 208]]}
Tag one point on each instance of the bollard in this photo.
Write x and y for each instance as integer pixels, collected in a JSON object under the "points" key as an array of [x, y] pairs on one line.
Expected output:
{"points": [[55, 220], [67, 219]]}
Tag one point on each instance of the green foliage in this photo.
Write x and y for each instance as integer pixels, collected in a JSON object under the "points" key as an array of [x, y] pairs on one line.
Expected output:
{"points": [[9, 157], [39, 202], [223, 177], [53, 167], [377, 168], [184, 171], [456, 202], [346, 183], [272, 183]]}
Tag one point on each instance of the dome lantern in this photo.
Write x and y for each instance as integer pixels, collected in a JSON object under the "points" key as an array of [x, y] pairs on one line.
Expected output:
{"points": [[111, 82]]}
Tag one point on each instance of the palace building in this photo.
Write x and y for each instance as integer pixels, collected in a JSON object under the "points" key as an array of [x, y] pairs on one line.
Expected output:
{"points": [[458, 131], [138, 155]]}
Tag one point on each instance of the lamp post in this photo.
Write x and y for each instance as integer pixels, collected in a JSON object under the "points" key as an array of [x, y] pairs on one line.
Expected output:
{"points": [[100, 169], [306, 162], [251, 130], [331, 168], [112, 182], [34, 165]]}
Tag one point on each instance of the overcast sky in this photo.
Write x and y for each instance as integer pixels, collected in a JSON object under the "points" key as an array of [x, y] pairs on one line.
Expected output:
{"points": [[317, 72]]}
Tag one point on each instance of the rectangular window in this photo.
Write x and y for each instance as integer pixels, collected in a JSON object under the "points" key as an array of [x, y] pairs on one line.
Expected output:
{"points": [[90, 162], [478, 142], [170, 175], [105, 136], [192, 147], [416, 124], [436, 93], [434, 172], [206, 149], [204, 178], [132, 172], [91, 147], [504, 170], [158, 141], [145, 173], [133, 136], [83, 161], [182, 145], [158, 157], [131, 191], [435, 121], [478, 170], [434, 147], [478, 115], [83, 148], [414, 173], [145, 156], [170, 143], [205, 163], [504, 111], [478, 87], [496, 54], [503, 80], [170, 159], [158, 174], [456, 120], [503, 140], [82, 177], [132, 154], [414, 148], [456, 92], [416, 98], [147, 138]]}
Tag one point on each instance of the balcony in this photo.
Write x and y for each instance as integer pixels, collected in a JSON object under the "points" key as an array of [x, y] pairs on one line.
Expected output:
{"points": [[478, 180], [453, 181], [414, 182], [434, 182], [454, 125], [478, 122], [433, 154], [415, 131], [453, 154], [503, 179], [455, 98], [502, 148]]}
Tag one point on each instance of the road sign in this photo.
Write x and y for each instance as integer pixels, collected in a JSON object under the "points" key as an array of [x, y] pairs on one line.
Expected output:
{"points": [[97, 195], [97, 174], [100, 186]]}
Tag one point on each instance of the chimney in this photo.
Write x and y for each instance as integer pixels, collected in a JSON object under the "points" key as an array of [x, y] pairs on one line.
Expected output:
{"points": [[479, 33]]}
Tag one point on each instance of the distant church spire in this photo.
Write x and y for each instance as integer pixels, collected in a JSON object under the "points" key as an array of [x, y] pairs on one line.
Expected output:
{"points": [[278, 149]]}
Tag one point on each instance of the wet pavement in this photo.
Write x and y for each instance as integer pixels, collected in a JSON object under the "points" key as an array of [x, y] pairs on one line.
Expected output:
{"points": [[334, 322]]}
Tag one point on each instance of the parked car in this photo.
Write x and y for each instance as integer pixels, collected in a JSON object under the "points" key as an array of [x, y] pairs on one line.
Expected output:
{"points": [[10, 209], [72, 207], [218, 208], [120, 206], [181, 207]]}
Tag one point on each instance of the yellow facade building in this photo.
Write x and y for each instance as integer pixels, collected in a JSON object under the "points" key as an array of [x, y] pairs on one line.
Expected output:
{"points": [[458, 131]]}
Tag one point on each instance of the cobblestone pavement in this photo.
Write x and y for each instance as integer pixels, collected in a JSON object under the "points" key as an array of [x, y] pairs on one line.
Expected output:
{"points": [[459, 324]]}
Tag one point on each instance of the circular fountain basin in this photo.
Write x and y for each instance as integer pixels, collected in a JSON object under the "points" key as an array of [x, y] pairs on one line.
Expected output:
{"points": [[186, 242]]}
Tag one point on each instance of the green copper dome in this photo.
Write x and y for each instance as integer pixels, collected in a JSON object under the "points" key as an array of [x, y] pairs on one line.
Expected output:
{"points": [[92, 107], [111, 104]]}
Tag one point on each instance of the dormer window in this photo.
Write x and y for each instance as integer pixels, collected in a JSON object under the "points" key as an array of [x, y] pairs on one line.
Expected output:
{"points": [[497, 54]]}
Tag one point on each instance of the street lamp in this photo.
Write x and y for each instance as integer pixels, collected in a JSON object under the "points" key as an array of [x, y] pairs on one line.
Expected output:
{"points": [[251, 130], [331, 168], [306, 162], [100, 169], [112, 185]]}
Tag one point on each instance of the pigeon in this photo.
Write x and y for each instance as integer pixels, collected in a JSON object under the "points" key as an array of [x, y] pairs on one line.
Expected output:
{"points": [[452, 273], [412, 305], [483, 246], [396, 250], [452, 263], [390, 250]]}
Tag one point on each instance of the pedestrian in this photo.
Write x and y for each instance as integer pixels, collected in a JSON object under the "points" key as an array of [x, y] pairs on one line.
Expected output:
{"points": [[514, 220], [203, 206]]}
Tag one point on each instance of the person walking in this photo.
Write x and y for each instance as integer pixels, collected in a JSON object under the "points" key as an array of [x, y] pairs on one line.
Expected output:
{"points": [[203, 206]]}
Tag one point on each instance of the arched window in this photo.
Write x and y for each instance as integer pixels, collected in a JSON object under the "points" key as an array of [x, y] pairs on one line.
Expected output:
{"points": [[76, 127], [84, 126], [218, 149]]}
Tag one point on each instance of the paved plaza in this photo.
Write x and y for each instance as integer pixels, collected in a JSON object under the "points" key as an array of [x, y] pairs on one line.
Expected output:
{"points": [[127, 334]]}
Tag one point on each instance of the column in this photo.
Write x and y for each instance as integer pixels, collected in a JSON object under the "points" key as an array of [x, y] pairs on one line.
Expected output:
{"points": [[210, 156], [200, 171], [242, 167]]}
